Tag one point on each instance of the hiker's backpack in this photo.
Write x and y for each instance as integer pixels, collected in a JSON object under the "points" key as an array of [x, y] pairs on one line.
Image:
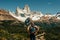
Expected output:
{"points": [[32, 29]]}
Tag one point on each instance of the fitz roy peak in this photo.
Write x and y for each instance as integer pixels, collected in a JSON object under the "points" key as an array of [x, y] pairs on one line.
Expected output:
{"points": [[23, 14]]}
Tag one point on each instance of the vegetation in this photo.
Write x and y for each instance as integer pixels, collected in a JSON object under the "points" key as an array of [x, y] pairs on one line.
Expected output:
{"points": [[14, 30]]}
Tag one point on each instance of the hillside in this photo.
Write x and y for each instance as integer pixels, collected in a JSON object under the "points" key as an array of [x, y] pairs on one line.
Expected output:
{"points": [[12, 29], [17, 31], [4, 15]]}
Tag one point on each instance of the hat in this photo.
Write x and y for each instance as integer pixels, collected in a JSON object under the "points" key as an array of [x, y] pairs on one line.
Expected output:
{"points": [[27, 21]]}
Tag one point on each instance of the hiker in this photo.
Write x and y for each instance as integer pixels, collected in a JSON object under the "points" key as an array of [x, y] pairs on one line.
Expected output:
{"points": [[32, 30]]}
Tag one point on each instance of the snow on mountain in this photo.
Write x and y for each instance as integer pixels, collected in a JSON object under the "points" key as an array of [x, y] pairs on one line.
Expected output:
{"points": [[33, 17], [58, 15], [23, 14], [18, 17]]}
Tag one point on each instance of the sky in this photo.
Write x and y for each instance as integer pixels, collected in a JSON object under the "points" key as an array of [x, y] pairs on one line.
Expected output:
{"points": [[44, 6]]}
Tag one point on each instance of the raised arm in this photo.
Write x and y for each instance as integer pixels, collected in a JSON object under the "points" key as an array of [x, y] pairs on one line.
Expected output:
{"points": [[37, 29], [28, 29]]}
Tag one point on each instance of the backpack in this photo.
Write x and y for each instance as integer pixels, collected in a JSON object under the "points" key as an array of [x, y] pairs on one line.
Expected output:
{"points": [[32, 29]]}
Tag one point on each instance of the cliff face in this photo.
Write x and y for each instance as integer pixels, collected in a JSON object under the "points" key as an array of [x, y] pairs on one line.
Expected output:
{"points": [[4, 15]]}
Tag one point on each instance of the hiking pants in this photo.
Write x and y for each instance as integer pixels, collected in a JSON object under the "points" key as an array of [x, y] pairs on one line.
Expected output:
{"points": [[32, 37]]}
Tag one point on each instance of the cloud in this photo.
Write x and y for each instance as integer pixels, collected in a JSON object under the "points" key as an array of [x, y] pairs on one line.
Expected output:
{"points": [[49, 3]]}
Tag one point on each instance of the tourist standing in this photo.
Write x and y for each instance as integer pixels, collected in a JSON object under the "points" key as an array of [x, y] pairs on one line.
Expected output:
{"points": [[32, 30]]}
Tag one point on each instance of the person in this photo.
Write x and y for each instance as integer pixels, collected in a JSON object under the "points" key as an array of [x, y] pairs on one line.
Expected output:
{"points": [[32, 30]]}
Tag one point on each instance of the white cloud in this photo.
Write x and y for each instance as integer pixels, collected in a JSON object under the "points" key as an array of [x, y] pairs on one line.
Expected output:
{"points": [[49, 3]]}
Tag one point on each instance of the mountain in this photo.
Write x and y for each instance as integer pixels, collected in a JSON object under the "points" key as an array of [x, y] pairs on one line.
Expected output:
{"points": [[23, 14], [4, 15], [58, 15]]}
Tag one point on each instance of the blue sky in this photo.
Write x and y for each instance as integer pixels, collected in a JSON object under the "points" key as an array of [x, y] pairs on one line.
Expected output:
{"points": [[45, 6]]}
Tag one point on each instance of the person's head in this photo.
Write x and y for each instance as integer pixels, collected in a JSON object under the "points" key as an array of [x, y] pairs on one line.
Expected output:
{"points": [[32, 24], [27, 21]]}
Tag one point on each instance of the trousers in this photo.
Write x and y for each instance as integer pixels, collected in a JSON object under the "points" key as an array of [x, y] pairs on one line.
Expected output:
{"points": [[32, 37]]}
